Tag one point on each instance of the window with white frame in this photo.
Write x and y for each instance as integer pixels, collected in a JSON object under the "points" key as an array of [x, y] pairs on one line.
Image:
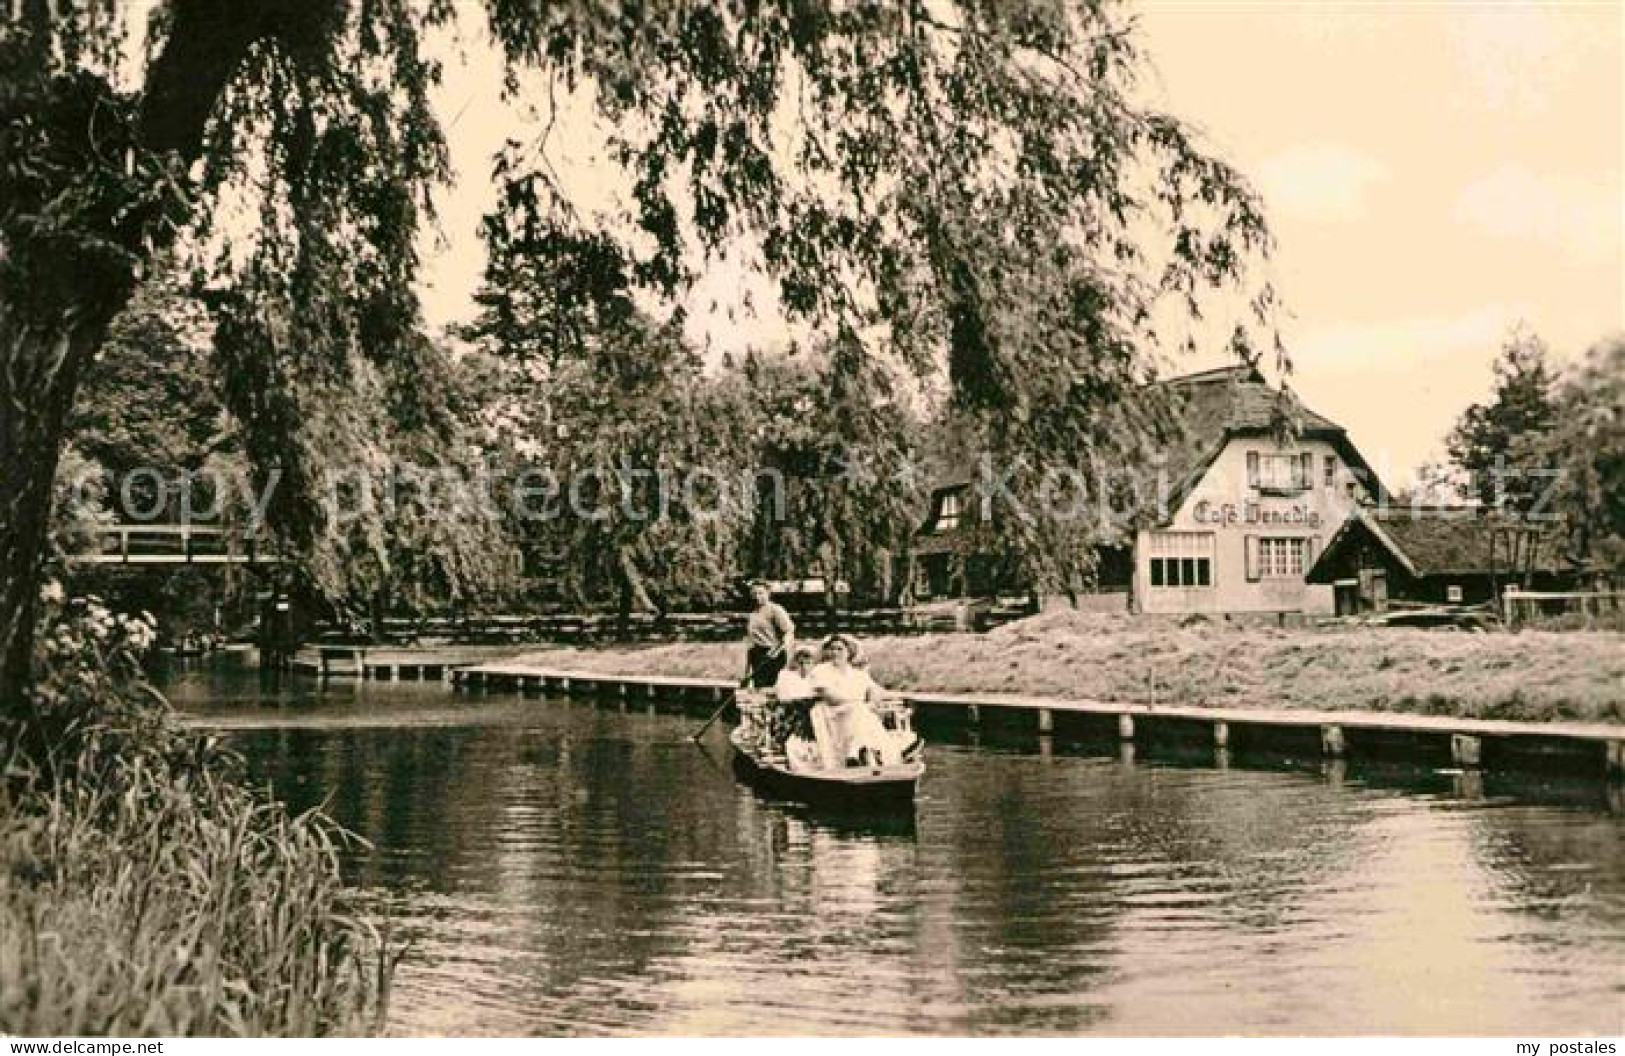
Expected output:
{"points": [[1279, 473], [1282, 558], [948, 512], [1181, 559]]}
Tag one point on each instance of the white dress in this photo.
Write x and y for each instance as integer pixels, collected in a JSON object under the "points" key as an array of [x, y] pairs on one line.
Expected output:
{"points": [[846, 717]]}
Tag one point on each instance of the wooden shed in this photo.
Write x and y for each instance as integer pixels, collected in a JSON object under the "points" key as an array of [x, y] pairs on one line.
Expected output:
{"points": [[1435, 555]]}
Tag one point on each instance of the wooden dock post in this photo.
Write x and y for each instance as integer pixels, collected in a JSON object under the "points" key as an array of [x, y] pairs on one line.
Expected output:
{"points": [[1332, 742], [1125, 727], [1221, 735], [1046, 721], [1616, 759], [1466, 751], [974, 713]]}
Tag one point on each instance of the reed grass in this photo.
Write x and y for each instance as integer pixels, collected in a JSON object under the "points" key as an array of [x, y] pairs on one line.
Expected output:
{"points": [[145, 891], [177, 906]]}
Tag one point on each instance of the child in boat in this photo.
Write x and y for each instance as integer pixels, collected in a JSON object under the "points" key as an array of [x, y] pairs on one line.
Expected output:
{"points": [[851, 731], [789, 726], [794, 682]]}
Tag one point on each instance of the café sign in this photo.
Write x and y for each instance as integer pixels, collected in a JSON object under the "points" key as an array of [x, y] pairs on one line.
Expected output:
{"points": [[1230, 514]]}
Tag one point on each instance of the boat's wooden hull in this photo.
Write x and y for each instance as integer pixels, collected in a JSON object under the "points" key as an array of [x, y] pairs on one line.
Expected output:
{"points": [[888, 788]]}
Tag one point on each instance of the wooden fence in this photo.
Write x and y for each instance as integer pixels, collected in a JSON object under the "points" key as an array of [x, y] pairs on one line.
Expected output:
{"points": [[1522, 607], [717, 626]]}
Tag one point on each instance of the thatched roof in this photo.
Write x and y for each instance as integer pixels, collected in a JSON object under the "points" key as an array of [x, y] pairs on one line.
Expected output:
{"points": [[1217, 406], [1434, 541], [1220, 405]]}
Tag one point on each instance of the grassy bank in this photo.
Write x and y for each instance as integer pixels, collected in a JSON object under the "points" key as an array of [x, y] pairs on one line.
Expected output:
{"points": [[1531, 676], [145, 891]]}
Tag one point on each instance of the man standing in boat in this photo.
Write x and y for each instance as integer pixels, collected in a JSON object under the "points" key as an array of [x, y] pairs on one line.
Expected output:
{"points": [[770, 634]]}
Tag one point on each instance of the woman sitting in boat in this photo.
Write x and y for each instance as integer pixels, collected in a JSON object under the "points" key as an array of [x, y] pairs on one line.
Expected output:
{"points": [[849, 730], [794, 696]]}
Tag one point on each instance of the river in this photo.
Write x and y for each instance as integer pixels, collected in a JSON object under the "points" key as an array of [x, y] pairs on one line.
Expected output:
{"points": [[562, 868]]}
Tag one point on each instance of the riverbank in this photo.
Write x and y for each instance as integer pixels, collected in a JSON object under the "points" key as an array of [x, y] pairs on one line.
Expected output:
{"points": [[1530, 676], [145, 889]]}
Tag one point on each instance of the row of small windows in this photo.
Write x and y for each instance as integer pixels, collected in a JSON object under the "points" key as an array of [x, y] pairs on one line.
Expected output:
{"points": [[1181, 572], [1181, 559], [1185, 559]]}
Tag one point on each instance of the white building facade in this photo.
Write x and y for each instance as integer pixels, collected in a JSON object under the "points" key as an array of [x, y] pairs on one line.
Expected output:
{"points": [[1254, 510], [1246, 535]]}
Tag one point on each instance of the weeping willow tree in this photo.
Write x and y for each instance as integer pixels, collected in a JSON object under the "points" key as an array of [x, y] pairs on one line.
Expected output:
{"points": [[843, 482], [972, 187]]}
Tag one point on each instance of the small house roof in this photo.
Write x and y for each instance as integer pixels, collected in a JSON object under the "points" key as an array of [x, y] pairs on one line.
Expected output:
{"points": [[1433, 541]]}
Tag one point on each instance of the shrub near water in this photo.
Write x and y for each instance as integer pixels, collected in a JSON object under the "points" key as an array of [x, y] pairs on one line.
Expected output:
{"points": [[144, 891]]}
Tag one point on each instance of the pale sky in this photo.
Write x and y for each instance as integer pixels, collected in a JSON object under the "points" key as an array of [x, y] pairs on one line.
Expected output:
{"points": [[1433, 172]]}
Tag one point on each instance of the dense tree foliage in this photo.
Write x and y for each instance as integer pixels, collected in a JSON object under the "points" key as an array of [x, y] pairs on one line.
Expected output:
{"points": [[1586, 450], [971, 187], [152, 399], [1491, 443], [843, 481]]}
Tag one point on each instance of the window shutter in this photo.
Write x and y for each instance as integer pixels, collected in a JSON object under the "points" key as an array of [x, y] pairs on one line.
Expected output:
{"points": [[1251, 548], [1306, 470], [1311, 551], [1252, 469]]}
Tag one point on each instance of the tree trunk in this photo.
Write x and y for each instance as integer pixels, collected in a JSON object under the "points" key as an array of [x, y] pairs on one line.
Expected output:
{"points": [[39, 373], [60, 293], [635, 593]]}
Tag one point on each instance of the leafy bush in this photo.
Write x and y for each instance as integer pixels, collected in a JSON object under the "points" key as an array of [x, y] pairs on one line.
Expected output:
{"points": [[143, 889]]}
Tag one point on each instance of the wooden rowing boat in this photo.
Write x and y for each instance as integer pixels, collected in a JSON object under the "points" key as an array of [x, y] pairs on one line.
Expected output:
{"points": [[865, 786]]}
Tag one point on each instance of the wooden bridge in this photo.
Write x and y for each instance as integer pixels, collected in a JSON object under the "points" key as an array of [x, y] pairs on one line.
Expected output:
{"points": [[170, 544]]}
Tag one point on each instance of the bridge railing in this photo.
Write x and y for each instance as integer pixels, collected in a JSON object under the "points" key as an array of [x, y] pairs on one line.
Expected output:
{"points": [[170, 544]]}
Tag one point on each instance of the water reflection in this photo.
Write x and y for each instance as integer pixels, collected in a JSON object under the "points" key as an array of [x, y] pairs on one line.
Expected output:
{"points": [[569, 869]]}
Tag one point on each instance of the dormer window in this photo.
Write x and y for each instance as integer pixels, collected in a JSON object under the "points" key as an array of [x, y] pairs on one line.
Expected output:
{"points": [[1280, 474], [948, 512]]}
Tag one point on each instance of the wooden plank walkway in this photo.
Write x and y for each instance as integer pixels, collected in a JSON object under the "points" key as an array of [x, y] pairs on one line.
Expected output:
{"points": [[384, 663], [1595, 748], [524, 677]]}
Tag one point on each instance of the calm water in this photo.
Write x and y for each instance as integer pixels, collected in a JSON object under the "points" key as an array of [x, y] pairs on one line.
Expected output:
{"points": [[567, 869]]}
